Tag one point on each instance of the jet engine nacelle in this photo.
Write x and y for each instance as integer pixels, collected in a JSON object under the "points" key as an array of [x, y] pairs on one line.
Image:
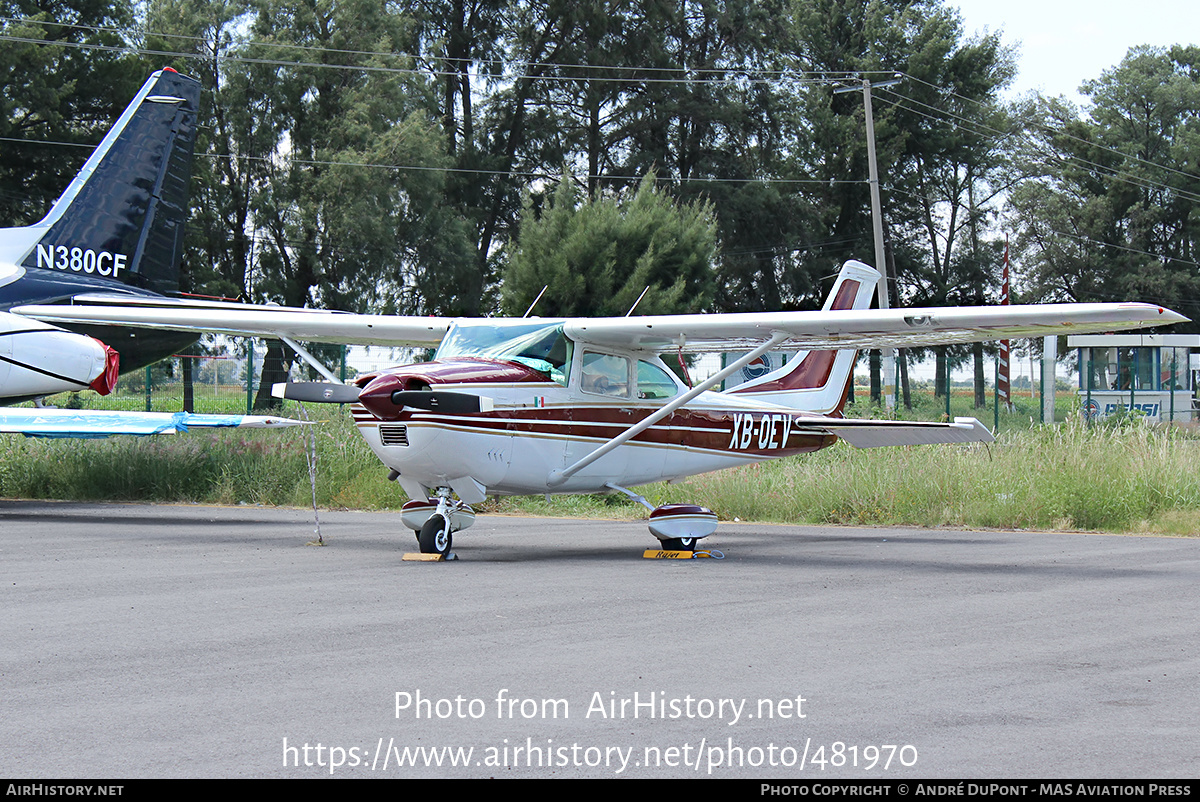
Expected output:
{"points": [[38, 359]]}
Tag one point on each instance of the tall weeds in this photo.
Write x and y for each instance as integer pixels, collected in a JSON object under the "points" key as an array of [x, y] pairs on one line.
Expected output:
{"points": [[1124, 477]]}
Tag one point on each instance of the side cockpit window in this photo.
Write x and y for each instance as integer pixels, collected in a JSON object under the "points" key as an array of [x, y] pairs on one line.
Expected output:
{"points": [[605, 374], [549, 353]]}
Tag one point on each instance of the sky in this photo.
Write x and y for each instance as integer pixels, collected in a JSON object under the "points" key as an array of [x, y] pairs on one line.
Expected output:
{"points": [[1062, 43]]}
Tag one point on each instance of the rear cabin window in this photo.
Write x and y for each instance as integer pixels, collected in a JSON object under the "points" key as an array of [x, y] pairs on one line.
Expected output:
{"points": [[654, 382]]}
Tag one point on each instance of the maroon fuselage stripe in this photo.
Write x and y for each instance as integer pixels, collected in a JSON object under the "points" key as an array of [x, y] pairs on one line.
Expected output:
{"points": [[723, 430], [702, 429]]}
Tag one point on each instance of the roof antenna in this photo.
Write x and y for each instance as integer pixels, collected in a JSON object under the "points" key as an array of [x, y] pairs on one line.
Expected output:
{"points": [[638, 301], [535, 300]]}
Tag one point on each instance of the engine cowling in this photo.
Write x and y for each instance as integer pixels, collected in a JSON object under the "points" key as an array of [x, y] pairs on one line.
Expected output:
{"points": [[40, 359], [439, 386], [376, 395]]}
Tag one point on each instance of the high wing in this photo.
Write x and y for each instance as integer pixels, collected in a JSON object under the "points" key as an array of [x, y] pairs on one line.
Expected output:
{"points": [[867, 328], [864, 328], [305, 325], [94, 424]]}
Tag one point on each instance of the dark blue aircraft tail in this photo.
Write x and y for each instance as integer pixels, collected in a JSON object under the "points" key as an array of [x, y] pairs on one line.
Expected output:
{"points": [[122, 218]]}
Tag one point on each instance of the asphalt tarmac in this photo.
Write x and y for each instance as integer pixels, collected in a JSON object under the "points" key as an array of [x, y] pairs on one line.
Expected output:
{"points": [[192, 641]]}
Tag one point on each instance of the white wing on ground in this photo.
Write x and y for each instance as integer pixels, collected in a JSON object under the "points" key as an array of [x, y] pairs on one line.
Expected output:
{"points": [[92, 424]]}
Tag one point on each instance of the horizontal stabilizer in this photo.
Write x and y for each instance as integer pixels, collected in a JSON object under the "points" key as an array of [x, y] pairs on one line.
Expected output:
{"points": [[876, 433]]}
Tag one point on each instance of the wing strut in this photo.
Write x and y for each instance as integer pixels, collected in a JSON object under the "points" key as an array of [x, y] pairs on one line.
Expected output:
{"points": [[312, 360], [557, 477]]}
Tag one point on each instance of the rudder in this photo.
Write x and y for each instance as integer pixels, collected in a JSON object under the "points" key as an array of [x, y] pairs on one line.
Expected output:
{"points": [[122, 217]]}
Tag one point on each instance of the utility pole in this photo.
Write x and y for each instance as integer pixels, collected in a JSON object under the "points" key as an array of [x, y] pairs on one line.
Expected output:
{"points": [[888, 355]]}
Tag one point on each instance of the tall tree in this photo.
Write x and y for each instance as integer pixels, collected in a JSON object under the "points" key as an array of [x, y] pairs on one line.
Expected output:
{"points": [[461, 42], [596, 256], [1111, 214], [237, 138], [64, 77], [712, 118], [940, 138]]}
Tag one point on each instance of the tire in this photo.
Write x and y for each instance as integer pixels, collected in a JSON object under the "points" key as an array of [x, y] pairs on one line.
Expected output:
{"points": [[679, 544], [433, 537]]}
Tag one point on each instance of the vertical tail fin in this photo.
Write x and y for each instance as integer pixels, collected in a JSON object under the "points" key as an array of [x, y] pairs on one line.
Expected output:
{"points": [[122, 217], [817, 381]]}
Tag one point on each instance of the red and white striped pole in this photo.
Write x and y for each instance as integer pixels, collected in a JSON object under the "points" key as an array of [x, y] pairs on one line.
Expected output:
{"points": [[1002, 385]]}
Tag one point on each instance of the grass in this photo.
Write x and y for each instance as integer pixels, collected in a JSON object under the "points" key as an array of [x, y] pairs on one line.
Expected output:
{"points": [[1121, 477], [1132, 479]]}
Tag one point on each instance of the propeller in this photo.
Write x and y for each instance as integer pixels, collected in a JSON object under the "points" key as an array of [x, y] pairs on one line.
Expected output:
{"points": [[439, 401], [316, 392], [432, 400]]}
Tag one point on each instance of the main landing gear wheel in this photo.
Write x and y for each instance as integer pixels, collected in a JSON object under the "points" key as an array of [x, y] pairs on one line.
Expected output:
{"points": [[435, 537], [679, 544]]}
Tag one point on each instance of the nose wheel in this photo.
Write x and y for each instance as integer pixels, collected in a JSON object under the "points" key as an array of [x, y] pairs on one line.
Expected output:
{"points": [[435, 536]]}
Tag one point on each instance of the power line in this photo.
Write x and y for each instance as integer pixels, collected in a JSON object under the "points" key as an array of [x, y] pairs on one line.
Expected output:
{"points": [[640, 74], [684, 75], [1062, 133], [1094, 168], [1100, 243], [626, 75]]}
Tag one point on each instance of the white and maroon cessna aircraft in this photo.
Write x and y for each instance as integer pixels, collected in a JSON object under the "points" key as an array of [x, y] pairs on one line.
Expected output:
{"points": [[531, 406], [506, 406]]}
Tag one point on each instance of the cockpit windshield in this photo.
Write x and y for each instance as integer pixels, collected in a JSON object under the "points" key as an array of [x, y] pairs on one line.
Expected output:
{"points": [[538, 345]]}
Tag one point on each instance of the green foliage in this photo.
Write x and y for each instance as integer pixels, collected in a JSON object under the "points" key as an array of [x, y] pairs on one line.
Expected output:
{"points": [[333, 211], [1111, 214], [597, 256], [68, 90]]}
